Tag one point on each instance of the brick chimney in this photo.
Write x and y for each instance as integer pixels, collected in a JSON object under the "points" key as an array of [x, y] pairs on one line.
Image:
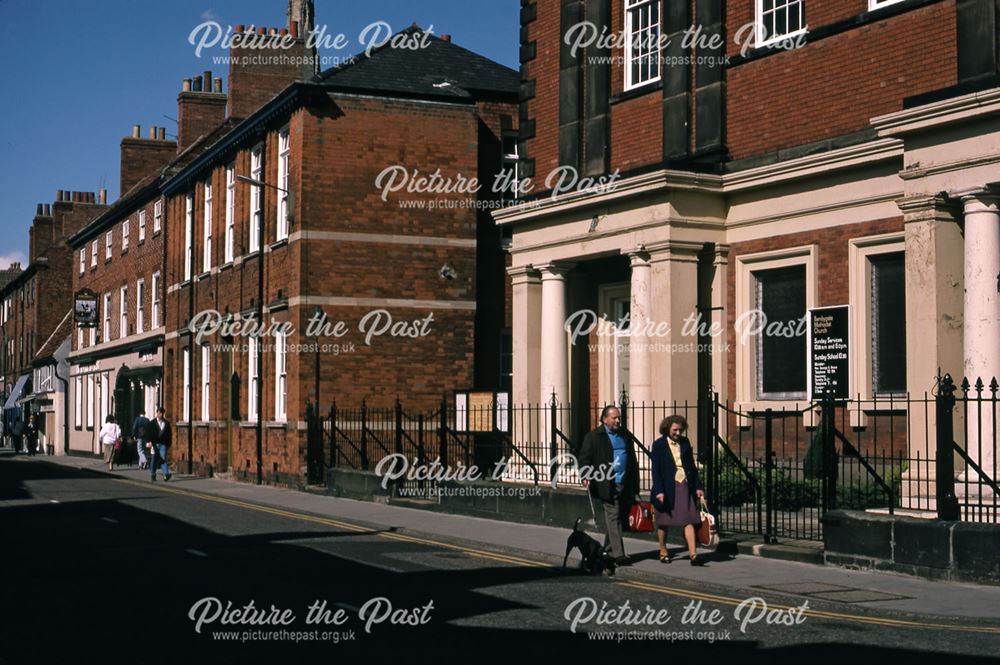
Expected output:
{"points": [[70, 212], [265, 61], [201, 107], [42, 234], [140, 157]]}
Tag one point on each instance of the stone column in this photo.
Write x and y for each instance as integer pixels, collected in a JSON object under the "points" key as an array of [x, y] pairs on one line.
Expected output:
{"points": [[674, 356], [526, 315], [640, 387], [934, 279], [718, 323], [554, 345], [982, 321]]}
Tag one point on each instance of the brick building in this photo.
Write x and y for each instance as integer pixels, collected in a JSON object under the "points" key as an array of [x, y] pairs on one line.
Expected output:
{"points": [[282, 218], [819, 154], [38, 298]]}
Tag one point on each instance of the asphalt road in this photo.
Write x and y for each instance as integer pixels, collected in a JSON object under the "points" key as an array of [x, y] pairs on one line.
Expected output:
{"points": [[99, 569]]}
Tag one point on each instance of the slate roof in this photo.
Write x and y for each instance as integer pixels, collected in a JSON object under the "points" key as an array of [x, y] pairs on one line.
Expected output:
{"points": [[441, 68], [55, 340]]}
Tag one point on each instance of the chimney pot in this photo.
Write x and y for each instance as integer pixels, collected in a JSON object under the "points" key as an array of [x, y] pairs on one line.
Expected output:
{"points": [[217, 84], [283, 32], [152, 132], [135, 131], [196, 84], [104, 196], [261, 31], [163, 134], [208, 81], [186, 85], [40, 211], [239, 27], [294, 29], [446, 38], [59, 195], [48, 210]]}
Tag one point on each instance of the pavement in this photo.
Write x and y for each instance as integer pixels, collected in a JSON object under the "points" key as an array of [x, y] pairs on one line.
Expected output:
{"points": [[881, 591]]}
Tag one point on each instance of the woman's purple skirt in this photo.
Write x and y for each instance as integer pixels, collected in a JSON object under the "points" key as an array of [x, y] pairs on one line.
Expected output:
{"points": [[684, 511]]}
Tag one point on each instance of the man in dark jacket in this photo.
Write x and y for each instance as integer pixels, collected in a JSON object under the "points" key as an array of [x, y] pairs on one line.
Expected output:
{"points": [[609, 455], [161, 435]]}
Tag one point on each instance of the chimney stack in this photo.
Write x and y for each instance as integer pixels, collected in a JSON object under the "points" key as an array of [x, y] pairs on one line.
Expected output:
{"points": [[141, 157], [201, 107], [104, 196]]}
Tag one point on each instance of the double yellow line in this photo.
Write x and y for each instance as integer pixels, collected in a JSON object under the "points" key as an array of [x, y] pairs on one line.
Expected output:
{"points": [[518, 561]]}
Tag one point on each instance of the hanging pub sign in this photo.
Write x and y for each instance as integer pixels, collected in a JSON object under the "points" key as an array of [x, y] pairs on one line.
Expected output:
{"points": [[85, 309], [829, 352], [482, 411]]}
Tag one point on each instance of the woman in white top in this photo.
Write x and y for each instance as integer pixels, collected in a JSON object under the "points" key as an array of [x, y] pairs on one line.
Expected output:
{"points": [[110, 437]]}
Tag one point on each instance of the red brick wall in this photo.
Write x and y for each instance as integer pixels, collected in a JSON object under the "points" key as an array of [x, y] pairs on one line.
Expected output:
{"points": [[337, 151], [139, 261], [828, 88], [256, 74], [832, 278], [835, 85], [198, 113]]}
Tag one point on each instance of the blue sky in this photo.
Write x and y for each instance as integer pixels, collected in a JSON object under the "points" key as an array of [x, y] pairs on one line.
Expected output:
{"points": [[78, 75]]}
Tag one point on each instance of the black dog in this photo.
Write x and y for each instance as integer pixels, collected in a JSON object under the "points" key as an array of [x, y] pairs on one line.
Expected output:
{"points": [[595, 559]]}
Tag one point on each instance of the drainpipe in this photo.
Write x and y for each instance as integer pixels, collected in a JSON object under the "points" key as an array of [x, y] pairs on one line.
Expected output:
{"points": [[65, 385]]}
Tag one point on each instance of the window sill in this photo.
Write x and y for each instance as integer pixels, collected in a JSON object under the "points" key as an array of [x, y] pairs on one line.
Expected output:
{"points": [[276, 424], [279, 243], [201, 424], [251, 254], [125, 252], [228, 265], [204, 274], [636, 92]]}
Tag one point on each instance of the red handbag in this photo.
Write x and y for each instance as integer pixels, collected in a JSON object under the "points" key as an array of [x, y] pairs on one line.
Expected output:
{"points": [[640, 517]]}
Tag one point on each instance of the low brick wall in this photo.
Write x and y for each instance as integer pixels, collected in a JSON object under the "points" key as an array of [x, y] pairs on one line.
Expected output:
{"points": [[933, 549]]}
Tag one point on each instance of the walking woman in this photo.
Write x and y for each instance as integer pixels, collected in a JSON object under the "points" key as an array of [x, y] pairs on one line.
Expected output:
{"points": [[675, 486]]}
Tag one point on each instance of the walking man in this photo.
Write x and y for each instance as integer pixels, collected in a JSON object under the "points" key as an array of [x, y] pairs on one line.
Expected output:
{"points": [[609, 451], [162, 435]]}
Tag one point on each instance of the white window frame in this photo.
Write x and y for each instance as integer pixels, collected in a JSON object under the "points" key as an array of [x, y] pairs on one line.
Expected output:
{"points": [[93, 335], [230, 213], [284, 152], [185, 396], [762, 26], [79, 338], [634, 8], [206, 262], [123, 312], [253, 381], [140, 311], [188, 235], [860, 252], [280, 378], [879, 4], [78, 401], [109, 241], [256, 209], [93, 253], [125, 233], [745, 345], [83, 269], [157, 216], [142, 226], [106, 330], [154, 320], [206, 382]]}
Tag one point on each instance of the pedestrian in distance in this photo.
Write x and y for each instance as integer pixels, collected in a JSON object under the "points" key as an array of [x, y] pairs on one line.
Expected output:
{"points": [[139, 430], [675, 486], [162, 436], [609, 451], [110, 437], [31, 435]]}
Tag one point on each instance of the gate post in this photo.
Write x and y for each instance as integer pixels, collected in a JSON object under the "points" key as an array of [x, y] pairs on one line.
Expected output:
{"points": [[333, 434], [364, 435], [711, 427], [443, 433], [312, 467], [768, 475], [829, 464], [947, 502], [553, 437]]}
